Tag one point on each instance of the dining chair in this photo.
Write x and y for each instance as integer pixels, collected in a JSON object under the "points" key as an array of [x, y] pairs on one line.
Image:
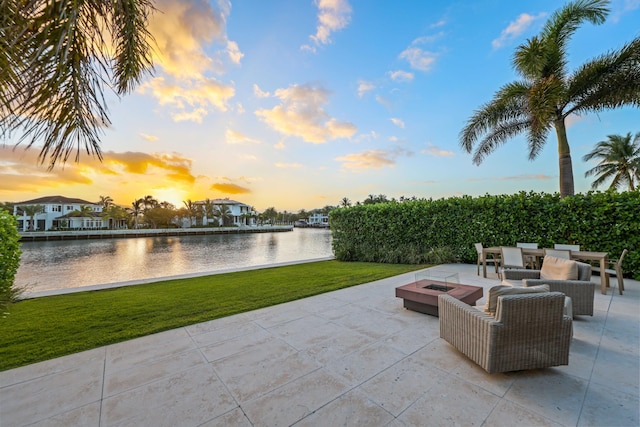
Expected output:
{"points": [[615, 271], [530, 260], [481, 258], [567, 247], [511, 257], [558, 253]]}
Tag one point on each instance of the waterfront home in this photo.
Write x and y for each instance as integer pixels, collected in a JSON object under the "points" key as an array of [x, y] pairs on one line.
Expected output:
{"points": [[58, 212], [318, 219], [235, 213]]}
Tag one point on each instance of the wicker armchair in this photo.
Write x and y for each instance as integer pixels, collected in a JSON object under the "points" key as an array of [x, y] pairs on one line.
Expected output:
{"points": [[581, 291], [529, 331]]}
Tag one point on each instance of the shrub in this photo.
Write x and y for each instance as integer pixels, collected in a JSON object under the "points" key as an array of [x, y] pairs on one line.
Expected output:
{"points": [[9, 258], [419, 231]]}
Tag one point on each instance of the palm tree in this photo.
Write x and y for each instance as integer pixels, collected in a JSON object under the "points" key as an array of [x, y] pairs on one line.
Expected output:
{"points": [[345, 202], [225, 215], [548, 93], [192, 210], [56, 59], [619, 161], [105, 201], [149, 202], [32, 211], [136, 209]]}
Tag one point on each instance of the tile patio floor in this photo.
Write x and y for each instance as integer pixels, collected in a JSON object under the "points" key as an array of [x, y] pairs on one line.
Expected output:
{"points": [[353, 357]]}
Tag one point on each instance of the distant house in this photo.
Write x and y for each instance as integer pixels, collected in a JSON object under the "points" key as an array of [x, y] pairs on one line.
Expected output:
{"points": [[318, 219], [239, 214], [59, 212]]}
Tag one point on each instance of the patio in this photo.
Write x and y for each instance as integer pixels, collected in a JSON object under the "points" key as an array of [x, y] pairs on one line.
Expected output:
{"points": [[350, 357]]}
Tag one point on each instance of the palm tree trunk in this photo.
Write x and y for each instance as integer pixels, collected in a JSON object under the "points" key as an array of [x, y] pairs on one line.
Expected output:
{"points": [[564, 156]]}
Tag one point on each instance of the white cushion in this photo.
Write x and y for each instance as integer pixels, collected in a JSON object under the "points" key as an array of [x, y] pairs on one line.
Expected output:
{"points": [[492, 298], [558, 269]]}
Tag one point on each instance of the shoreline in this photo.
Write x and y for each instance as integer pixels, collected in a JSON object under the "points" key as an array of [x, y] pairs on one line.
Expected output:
{"points": [[89, 288], [39, 236]]}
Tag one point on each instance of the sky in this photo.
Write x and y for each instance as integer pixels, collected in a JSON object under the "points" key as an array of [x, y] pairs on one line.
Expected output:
{"points": [[297, 104]]}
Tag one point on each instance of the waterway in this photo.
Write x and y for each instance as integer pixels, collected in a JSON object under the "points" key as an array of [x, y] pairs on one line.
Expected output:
{"points": [[53, 265]]}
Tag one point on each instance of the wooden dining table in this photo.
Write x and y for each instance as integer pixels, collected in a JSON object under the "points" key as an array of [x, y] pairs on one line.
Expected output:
{"points": [[601, 257]]}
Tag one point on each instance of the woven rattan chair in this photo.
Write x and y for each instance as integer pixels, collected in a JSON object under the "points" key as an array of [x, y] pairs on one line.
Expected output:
{"points": [[529, 331], [581, 291]]}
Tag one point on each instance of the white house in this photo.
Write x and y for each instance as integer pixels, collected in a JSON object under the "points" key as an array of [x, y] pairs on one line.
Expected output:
{"points": [[239, 214], [58, 212], [318, 219]]}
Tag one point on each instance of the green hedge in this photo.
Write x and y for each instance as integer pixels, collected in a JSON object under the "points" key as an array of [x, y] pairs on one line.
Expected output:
{"points": [[410, 232], [9, 258]]}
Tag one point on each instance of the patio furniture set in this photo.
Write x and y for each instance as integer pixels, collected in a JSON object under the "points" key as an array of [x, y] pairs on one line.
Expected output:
{"points": [[526, 322]]}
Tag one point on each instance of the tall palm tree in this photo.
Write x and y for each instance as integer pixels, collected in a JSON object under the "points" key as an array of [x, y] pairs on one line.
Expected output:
{"points": [[56, 59], [548, 93], [149, 202], [619, 161], [225, 215], [32, 212], [137, 207], [345, 202], [105, 201]]}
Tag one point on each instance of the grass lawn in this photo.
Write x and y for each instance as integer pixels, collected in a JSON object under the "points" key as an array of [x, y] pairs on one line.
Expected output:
{"points": [[48, 327]]}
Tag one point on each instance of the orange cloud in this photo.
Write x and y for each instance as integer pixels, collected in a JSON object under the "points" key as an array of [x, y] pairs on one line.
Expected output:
{"points": [[370, 159], [229, 188], [301, 114], [177, 167]]}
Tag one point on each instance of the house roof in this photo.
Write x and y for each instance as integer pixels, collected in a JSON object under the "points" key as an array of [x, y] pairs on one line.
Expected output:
{"points": [[222, 202], [55, 199]]}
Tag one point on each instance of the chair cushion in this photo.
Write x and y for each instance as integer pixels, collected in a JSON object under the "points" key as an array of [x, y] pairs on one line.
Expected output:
{"points": [[558, 269], [496, 291]]}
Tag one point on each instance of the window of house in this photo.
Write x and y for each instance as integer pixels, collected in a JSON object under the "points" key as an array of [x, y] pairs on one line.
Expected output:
{"points": [[56, 208]]}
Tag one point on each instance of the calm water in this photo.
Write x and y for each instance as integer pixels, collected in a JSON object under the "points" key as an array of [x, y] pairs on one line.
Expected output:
{"points": [[74, 263]]}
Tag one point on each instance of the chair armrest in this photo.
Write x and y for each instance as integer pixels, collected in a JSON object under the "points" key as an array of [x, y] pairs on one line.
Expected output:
{"points": [[465, 327], [559, 285], [518, 274]]}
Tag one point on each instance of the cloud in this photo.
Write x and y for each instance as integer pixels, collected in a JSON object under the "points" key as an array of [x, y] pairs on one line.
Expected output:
{"points": [[401, 76], [440, 23], [383, 101], [333, 15], [371, 159], [288, 165], [432, 150], [234, 137], [229, 188], [181, 29], [280, 145], [191, 100], [364, 87], [398, 122], [301, 114], [419, 59], [516, 28], [259, 93], [150, 138], [177, 167]]}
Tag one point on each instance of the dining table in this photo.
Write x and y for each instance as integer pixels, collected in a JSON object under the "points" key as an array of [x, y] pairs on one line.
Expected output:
{"points": [[601, 257]]}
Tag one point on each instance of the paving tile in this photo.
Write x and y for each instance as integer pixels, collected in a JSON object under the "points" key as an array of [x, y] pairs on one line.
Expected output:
{"points": [[549, 393], [188, 398], [234, 418], [221, 323], [143, 350], [243, 343], [88, 415], [225, 333], [366, 363], [453, 402], [603, 405], [136, 376], [350, 409], [253, 373], [398, 387], [51, 395], [508, 414], [295, 400], [342, 343], [305, 332], [617, 369]]}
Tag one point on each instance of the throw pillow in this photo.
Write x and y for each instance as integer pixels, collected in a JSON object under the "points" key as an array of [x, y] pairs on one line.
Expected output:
{"points": [[492, 298], [558, 269]]}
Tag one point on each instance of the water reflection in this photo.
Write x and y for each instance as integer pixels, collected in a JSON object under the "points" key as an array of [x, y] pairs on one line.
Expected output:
{"points": [[74, 263]]}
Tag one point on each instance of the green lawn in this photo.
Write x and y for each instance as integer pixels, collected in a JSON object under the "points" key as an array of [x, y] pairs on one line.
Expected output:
{"points": [[45, 328]]}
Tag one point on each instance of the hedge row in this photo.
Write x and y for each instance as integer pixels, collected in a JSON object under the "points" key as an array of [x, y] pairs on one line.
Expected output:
{"points": [[416, 231]]}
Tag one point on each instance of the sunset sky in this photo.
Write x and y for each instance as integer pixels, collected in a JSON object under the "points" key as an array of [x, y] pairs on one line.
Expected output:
{"points": [[296, 104]]}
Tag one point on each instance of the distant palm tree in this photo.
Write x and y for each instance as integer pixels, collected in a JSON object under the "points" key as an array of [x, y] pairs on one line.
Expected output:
{"points": [[225, 215], [149, 202], [345, 202], [548, 93], [619, 161], [137, 206], [105, 201], [32, 211], [191, 210]]}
